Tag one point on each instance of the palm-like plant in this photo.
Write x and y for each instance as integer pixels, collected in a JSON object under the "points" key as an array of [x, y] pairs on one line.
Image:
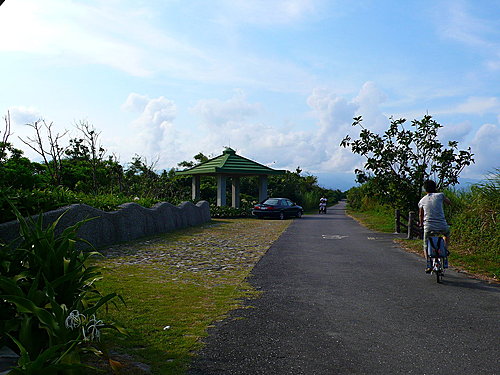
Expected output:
{"points": [[43, 277]]}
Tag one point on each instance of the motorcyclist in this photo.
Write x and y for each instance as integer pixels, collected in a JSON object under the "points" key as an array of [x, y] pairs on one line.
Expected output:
{"points": [[322, 204]]}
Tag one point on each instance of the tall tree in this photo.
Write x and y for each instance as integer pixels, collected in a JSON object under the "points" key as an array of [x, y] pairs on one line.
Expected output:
{"points": [[399, 160]]}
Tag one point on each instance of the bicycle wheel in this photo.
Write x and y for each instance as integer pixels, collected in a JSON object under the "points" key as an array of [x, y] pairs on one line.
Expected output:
{"points": [[439, 272]]}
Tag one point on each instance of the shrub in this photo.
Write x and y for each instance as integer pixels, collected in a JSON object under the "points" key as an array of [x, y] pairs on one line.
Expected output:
{"points": [[230, 212]]}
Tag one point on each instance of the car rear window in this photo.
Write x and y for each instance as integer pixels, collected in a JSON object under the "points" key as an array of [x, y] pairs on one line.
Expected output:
{"points": [[273, 202]]}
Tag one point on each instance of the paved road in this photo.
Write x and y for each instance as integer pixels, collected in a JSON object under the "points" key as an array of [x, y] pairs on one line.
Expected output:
{"points": [[340, 299]]}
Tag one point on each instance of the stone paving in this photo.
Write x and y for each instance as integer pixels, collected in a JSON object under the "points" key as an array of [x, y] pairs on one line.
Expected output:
{"points": [[216, 249]]}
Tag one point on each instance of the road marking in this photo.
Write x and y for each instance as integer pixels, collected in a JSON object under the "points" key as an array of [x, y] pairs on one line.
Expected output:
{"points": [[333, 236]]}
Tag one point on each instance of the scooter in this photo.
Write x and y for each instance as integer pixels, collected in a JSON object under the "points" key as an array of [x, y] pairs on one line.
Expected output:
{"points": [[322, 208]]}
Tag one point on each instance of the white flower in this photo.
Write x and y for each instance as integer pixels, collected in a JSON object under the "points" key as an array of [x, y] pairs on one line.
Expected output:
{"points": [[93, 333], [74, 319]]}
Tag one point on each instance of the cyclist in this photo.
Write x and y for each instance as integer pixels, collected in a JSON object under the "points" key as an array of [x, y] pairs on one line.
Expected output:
{"points": [[431, 216]]}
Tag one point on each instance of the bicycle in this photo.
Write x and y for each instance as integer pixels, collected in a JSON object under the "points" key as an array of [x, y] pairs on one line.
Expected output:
{"points": [[437, 254]]}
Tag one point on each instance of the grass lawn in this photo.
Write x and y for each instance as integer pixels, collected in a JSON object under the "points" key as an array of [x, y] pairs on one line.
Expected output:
{"points": [[177, 285]]}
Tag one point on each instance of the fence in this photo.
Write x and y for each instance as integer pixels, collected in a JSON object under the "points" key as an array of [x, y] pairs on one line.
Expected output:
{"points": [[408, 223]]}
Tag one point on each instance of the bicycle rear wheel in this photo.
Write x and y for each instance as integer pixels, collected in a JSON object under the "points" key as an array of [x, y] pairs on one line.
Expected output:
{"points": [[439, 272]]}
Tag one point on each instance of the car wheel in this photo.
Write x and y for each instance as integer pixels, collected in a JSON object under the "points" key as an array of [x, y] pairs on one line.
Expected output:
{"points": [[282, 215], [299, 214]]}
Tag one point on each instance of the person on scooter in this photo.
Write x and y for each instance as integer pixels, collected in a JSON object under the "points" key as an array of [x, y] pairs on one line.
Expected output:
{"points": [[431, 216], [322, 204]]}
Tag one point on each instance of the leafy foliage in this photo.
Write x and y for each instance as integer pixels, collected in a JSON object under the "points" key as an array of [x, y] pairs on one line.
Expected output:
{"points": [[44, 277], [400, 160]]}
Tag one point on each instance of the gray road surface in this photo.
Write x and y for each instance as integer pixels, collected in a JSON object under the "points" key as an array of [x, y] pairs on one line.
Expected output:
{"points": [[341, 299]]}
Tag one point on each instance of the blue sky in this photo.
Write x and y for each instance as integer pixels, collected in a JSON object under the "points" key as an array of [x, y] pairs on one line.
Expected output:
{"points": [[279, 81]]}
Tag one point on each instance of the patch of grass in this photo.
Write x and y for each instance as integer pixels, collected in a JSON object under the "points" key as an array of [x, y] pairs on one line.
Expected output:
{"points": [[379, 219], [486, 268], [177, 285]]}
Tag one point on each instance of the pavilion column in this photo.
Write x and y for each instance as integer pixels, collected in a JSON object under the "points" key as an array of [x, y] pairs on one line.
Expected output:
{"points": [[236, 192], [221, 190], [195, 187], [262, 188]]}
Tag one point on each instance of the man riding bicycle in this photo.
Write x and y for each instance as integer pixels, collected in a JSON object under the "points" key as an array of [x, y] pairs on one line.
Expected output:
{"points": [[431, 216]]}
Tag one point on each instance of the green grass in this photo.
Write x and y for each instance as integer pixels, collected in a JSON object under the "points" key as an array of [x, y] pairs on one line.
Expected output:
{"points": [[379, 219], [185, 281]]}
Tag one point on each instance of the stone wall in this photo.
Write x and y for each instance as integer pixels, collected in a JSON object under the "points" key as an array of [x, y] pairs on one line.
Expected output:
{"points": [[130, 222]]}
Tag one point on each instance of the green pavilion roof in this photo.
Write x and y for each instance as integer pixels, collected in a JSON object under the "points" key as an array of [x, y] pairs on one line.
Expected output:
{"points": [[230, 163]]}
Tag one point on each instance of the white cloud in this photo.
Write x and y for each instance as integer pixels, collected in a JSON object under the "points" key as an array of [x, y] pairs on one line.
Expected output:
{"points": [[20, 116], [97, 32], [456, 132], [369, 100], [215, 112], [234, 122], [479, 105], [486, 147], [155, 133], [135, 102]]}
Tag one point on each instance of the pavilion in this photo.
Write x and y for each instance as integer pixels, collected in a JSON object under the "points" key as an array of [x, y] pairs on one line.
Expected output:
{"points": [[229, 165]]}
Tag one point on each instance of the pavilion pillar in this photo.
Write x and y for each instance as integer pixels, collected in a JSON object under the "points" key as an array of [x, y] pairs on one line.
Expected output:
{"points": [[235, 196], [262, 188], [221, 190], [195, 187]]}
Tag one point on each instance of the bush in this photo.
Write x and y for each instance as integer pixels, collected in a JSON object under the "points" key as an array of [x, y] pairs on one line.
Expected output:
{"points": [[35, 201], [230, 212]]}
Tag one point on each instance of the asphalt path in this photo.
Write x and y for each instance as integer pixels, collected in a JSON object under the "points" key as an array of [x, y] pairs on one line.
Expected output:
{"points": [[341, 299]]}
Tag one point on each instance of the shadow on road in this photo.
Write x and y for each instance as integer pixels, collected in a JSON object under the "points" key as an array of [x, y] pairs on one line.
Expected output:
{"points": [[470, 283]]}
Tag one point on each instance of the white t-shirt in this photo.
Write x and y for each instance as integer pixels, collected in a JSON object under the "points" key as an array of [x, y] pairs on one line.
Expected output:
{"points": [[434, 218]]}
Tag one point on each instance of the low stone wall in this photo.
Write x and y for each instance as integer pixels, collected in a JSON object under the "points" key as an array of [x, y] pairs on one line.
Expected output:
{"points": [[130, 222]]}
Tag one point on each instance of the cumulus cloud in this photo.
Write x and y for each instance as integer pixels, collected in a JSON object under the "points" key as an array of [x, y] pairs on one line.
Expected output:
{"points": [[215, 112], [156, 135], [234, 121], [486, 147], [135, 102], [456, 132]]}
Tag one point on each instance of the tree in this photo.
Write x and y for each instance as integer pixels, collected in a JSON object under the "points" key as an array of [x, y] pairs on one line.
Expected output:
{"points": [[52, 152], [199, 157], [400, 160], [16, 171]]}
